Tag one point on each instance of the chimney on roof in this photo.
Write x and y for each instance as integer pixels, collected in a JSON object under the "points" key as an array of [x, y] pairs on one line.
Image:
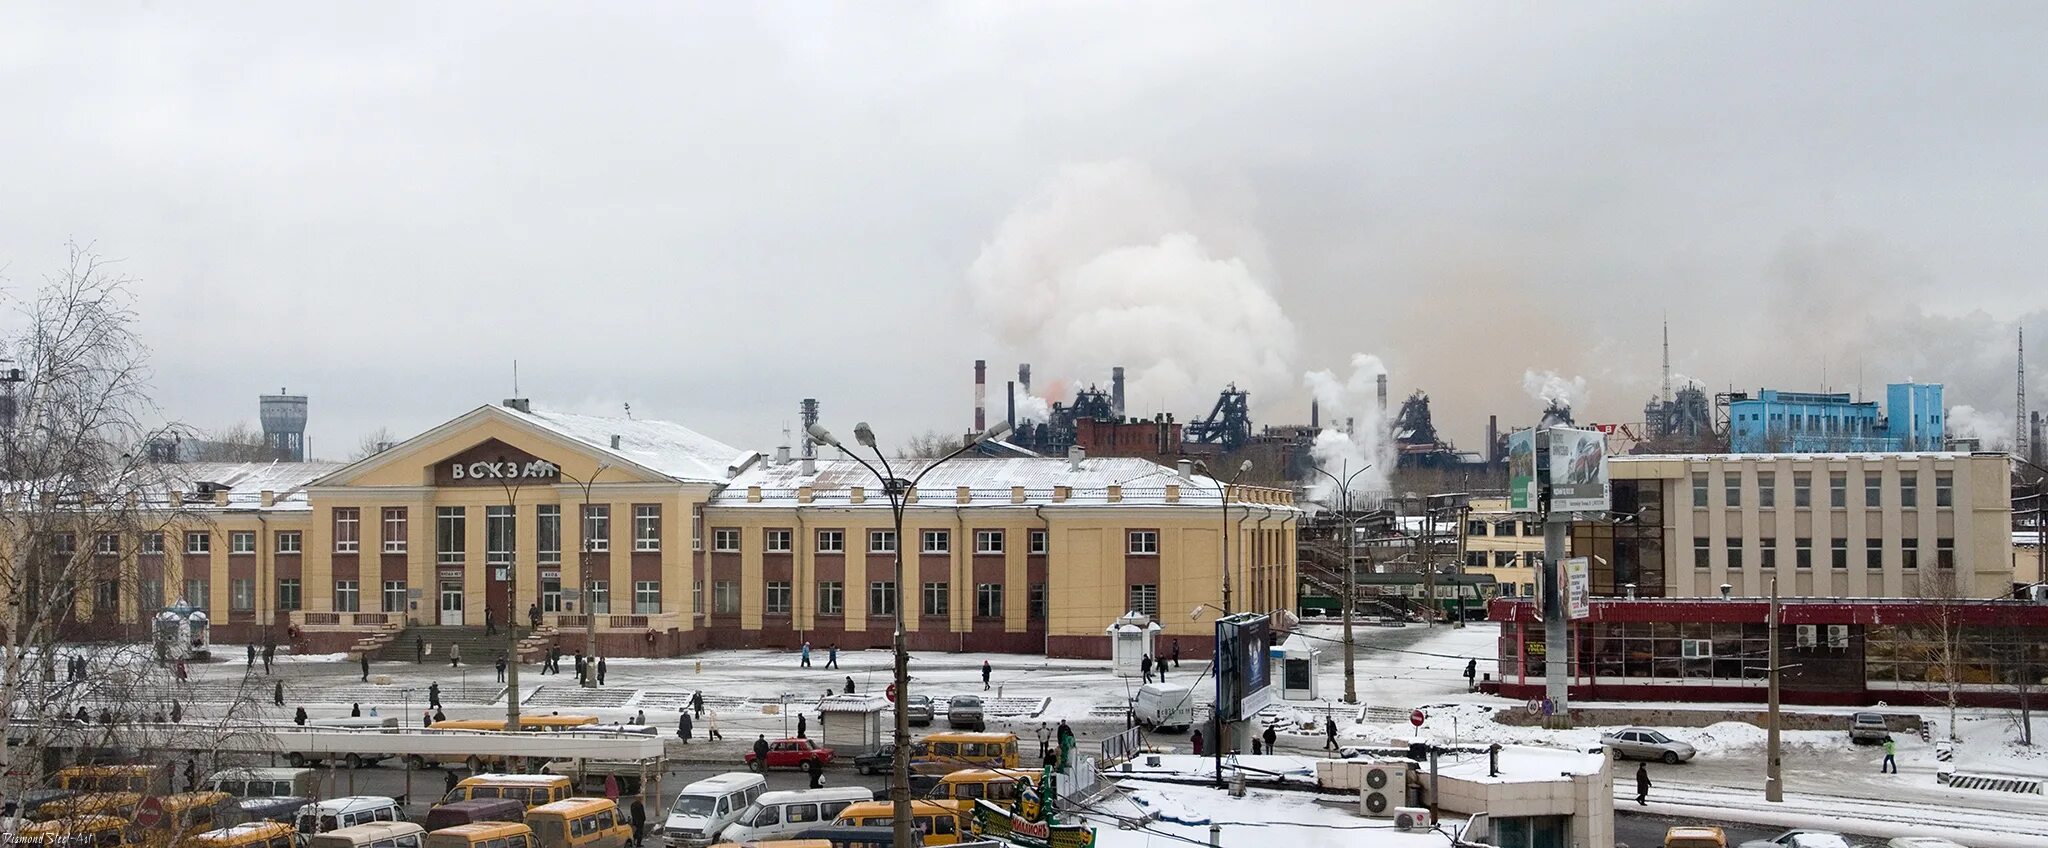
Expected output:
{"points": [[1186, 468], [520, 404], [1075, 454], [980, 395], [810, 465], [616, 438], [1116, 390], [782, 455], [269, 498]]}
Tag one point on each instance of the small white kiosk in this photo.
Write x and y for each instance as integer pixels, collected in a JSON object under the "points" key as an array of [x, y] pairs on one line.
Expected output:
{"points": [[1296, 659], [1131, 639], [852, 724], [183, 633]]}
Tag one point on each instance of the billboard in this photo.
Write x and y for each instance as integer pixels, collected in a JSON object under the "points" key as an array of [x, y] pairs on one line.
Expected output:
{"points": [[1244, 677], [1522, 471], [1578, 470], [1578, 595]]}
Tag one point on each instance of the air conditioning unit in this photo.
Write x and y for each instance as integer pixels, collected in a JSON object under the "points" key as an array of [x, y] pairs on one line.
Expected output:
{"points": [[1382, 789], [1808, 635], [1413, 818]]}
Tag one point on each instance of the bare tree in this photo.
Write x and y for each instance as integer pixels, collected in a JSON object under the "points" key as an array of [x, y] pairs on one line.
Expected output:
{"points": [[373, 443], [931, 445], [1942, 648], [239, 443]]}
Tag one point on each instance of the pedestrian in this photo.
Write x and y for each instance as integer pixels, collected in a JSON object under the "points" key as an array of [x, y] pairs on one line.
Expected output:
{"points": [[986, 670], [427, 717], [579, 666], [1891, 749], [501, 668], [1642, 784], [160, 717], [684, 727], [711, 733], [252, 656], [440, 715], [611, 786], [300, 717], [1256, 750], [1176, 653], [177, 711], [1196, 739], [355, 710], [832, 655], [454, 655], [800, 724], [1329, 733], [1145, 667], [365, 659], [817, 769], [640, 717], [373, 710], [761, 753], [269, 655], [177, 670], [490, 621], [533, 616], [434, 694], [448, 780], [803, 656], [849, 685], [82, 716], [1270, 738], [419, 649], [600, 671], [697, 703], [1162, 670], [277, 693], [1471, 674], [191, 776], [638, 813]]}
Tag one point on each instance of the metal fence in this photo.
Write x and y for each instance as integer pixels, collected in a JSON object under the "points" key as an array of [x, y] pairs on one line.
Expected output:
{"points": [[1120, 747]]}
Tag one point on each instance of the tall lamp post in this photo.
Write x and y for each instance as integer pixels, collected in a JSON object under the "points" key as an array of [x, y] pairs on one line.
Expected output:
{"points": [[1223, 500], [897, 488], [1343, 489], [586, 681]]}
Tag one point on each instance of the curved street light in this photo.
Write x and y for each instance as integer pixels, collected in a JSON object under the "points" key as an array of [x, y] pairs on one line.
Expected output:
{"points": [[1342, 487], [588, 680], [1223, 499]]}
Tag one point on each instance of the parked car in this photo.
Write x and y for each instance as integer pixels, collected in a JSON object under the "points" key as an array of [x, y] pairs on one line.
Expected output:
{"points": [[964, 712], [1695, 837], [919, 710], [878, 761], [1642, 743], [1869, 728], [794, 753], [1921, 842], [1801, 838]]}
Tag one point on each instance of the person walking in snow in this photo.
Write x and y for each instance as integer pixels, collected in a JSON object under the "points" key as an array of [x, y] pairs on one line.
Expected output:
{"points": [[849, 684], [986, 670], [454, 655], [1329, 733], [1891, 765], [711, 733], [800, 726], [1145, 667], [277, 693], [697, 703], [832, 655], [434, 694], [252, 656], [1642, 784], [366, 665], [299, 718], [419, 649], [761, 753], [1196, 740], [1471, 674], [1270, 737], [269, 654], [1176, 653], [501, 668], [684, 727], [803, 656], [600, 671]]}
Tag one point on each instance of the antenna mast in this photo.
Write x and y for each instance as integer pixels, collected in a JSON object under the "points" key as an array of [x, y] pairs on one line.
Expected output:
{"points": [[2020, 444], [1667, 361]]}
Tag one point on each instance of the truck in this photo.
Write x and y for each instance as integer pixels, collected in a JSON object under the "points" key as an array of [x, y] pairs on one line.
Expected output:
{"points": [[1164, 706]]}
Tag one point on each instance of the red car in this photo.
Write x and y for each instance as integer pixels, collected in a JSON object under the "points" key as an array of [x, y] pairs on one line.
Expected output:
{"points": [[794, 753]]}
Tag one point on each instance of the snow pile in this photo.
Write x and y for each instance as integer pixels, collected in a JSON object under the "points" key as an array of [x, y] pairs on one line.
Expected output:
{"points": [[1261, 819]]}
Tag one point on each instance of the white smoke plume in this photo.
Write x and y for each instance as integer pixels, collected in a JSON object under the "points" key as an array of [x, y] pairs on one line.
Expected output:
{"points": [[1548, 387], [1992, 429], [1031, 407], [1114, 265], [1368, 446]]}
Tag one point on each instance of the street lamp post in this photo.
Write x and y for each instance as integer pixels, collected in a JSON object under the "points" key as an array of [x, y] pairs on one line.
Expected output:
{"points": [[1343, 489], [1223, 500], [586, 681], [897, 489]]}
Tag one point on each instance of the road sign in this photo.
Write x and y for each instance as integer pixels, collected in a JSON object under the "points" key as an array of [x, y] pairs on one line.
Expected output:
{"points": [[1415, 718], [151, 813], [890, 692]]}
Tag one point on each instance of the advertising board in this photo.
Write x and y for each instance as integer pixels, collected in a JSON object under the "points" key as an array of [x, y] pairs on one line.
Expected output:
{"points": [[1522, 471], [1578, 470]]}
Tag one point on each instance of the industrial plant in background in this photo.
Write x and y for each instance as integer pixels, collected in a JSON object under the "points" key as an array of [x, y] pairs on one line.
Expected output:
{"points": [[282, 439]]}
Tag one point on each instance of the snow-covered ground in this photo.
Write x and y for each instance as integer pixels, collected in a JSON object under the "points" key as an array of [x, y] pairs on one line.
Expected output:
{"points": [[1260, 818]]}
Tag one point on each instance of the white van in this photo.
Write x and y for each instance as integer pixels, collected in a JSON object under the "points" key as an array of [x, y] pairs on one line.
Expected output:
{"points": [[344, 813], [265, 782], [378, 835], [1165, 706], [703, 809], [777, 815]]}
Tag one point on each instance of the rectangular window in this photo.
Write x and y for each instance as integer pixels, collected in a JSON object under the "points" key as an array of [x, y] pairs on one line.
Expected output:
{"points": [[1731, 487], [198, 542], [1038, 541], [776, 541], [1475, 528], [107, 544], [1838, 491], [551, 594], [647, 527], [1699, 489], [600, 601], [1839, 556], [1144, 598], [547, 527], [646, 597], [882, 598], [65, 544], [1735, 553], [499, 529], [1767, 553], [1873, 553], [348, 528], [1909, 490], [776, 600], [988, 541], [831, 597], [725, 540], [988, 600], [198, 593], [1873, 488], [152, 543], [1802, 490], [597, 527], [242, 594], [106, 598], [394, 529], [937, 600], [288, 541], [1802, 556], [696, 596], [831, 541], [288, 593], [697, 527], [451, 535], [1144, 542], [347, 597], [394, 596], [242, 542], [1702, 554], [1909, 555], [1766, 489], [936, 541], [1034, 607], [725, 597], [1944, 553], [1944, 488], [881, 541]]}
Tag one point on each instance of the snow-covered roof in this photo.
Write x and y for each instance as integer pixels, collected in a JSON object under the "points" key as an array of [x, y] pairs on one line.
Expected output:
{"points": [[1523, 764], [1773, 457], [989, 480], [1262, 817], [665, 447], [246, 482]]}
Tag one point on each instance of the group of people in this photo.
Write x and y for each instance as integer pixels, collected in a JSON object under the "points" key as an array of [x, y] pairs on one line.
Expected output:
{"points": [[803, 657], [1146, 665], [687, 727], [269, 654]]}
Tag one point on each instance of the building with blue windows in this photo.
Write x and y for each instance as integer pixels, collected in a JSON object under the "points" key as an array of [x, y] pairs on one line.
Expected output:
{"points": [[1817, 422]]}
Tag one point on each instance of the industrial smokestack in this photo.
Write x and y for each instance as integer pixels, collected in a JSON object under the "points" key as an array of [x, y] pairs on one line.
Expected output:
{"points": [[1116, 390], [1383, 395], [1010, 407], [1024, 377], [1315, 415], [1492, 435], [980, 395]]}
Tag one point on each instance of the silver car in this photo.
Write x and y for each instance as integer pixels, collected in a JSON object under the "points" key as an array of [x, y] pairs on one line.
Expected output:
{"points": [[963, 712], [1642, 743], [919, 710]]}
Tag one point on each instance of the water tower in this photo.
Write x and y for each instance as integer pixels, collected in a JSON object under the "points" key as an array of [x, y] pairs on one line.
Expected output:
{"points": [[284, 425]]}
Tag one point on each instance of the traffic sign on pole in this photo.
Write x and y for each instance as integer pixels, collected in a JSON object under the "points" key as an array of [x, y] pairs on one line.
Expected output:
{"points": [[150, 813], [1415, 718], [891, 692]]}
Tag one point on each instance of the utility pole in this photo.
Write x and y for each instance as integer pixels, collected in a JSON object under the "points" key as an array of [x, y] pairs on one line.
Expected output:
{"points": [[1556, 630], [1341, 487], [1774, 779]]}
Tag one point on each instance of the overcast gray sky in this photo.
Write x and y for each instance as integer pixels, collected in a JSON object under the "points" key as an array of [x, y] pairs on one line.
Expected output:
{"points": [[713, 210]]}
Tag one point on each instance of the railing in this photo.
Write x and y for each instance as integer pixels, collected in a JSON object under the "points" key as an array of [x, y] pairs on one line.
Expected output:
{"points": [[1120, 747], [627, 622], [320, 619], [377, 619]]}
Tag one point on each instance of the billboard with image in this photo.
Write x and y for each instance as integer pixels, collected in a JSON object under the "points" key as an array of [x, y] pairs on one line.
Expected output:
{"points": [[1578, 471], [1244, 675], [1522, 471]]}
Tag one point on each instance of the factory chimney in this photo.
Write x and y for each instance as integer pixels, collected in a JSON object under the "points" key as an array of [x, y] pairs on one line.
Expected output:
{"points": [[1383, 395], [1010, 406], [980, 395], [1024, 377], [1116, 390], [1315, 415], [1492, 435]]}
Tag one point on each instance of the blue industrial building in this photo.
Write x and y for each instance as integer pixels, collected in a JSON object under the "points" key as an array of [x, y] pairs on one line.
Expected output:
{"points": [[1815, 422]]}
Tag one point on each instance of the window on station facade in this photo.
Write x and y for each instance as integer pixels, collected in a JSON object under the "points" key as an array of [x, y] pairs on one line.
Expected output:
{"points": [[937, 600], [646, 597], [882, 597], [776, 540], [451, 535], [289, 541], [597, 527], [647, 527], [1144, 598], [287, 593], [831, 597], [725, 597], [394, 596], [347, 596], [348, 529], [500, 529], [547, 528], [831, 541], [988, 600], [395, 530], [776, 600]]}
